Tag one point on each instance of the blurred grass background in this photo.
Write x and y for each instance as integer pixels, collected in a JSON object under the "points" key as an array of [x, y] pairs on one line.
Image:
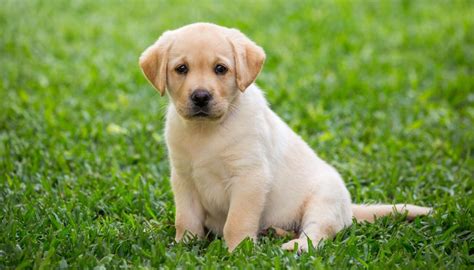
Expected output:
{"points": [[383, 90]]}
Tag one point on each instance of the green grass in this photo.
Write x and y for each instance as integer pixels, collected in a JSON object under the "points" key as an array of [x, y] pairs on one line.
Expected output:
{"points": [[383, 90]]}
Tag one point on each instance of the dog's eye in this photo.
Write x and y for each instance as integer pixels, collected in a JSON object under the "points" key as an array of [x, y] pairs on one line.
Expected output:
{"points": [[182, 69], [220, 70]]}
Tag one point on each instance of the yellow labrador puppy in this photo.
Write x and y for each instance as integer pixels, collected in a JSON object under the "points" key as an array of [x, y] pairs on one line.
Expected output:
{"points": [[236, 167]]}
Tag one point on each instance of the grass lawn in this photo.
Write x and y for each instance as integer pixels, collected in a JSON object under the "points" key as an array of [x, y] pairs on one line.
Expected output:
{"points": [[383, 90]]}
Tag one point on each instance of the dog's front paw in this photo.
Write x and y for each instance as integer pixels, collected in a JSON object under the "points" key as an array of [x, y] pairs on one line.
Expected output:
{"points": [[302, 245], [186, 236]]}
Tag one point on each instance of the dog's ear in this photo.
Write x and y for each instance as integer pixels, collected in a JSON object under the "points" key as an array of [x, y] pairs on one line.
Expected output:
{"points": [[154, 62], [248, 58]]}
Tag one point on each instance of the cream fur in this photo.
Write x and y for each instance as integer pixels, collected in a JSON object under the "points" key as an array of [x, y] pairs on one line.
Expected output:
{"points": [[248, 170]]}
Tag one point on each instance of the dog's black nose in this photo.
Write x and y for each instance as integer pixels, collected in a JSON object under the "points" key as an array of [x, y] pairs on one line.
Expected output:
{"points": [[201, 97]]}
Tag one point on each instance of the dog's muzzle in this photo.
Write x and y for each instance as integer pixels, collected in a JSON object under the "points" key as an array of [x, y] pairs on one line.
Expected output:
{"points": [[200, 99]]}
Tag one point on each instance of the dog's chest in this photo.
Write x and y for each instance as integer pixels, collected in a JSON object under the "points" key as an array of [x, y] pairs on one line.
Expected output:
{"points": [[211, 180], [203, 165]]}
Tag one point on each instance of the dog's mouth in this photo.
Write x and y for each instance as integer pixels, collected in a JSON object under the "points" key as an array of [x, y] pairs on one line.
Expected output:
{"points": [[201, 114], [194, 113], [204, 115]]}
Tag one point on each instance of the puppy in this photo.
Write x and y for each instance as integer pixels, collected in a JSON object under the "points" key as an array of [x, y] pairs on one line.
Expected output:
{"points": [[236, 167]]}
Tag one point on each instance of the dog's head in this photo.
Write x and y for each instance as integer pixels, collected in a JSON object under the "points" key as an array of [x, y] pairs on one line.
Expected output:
{"points": [[203, 67]]}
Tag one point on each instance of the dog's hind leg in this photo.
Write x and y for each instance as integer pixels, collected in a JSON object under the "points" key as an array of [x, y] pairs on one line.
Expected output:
{"points": [[322, 219]]}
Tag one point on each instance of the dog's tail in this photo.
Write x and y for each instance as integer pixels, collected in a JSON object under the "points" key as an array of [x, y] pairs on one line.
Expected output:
{"points": [[369, 213]]}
